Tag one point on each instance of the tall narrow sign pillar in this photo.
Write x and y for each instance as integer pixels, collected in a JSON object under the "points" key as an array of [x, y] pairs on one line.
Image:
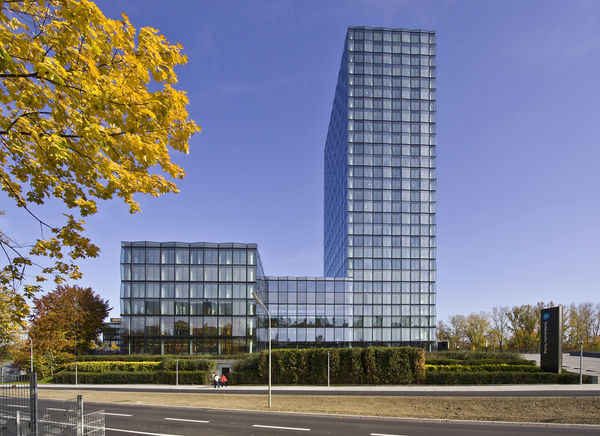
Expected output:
{"points": [[551, 339]]}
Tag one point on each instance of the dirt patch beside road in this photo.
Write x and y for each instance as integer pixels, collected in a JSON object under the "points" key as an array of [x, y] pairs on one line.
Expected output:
{"points": [[579, 410]]}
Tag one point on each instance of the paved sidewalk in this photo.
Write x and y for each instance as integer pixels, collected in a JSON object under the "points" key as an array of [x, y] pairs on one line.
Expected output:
{"points": [[591, 365], [337, 389]]}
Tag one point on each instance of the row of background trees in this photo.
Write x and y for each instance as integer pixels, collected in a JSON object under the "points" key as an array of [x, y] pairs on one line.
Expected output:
{"points": [[517, 328]]}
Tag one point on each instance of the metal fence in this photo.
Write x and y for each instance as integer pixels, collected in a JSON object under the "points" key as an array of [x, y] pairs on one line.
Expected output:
{"points": [[21, 416], [16, 403], [94, 424], [59, 419]]}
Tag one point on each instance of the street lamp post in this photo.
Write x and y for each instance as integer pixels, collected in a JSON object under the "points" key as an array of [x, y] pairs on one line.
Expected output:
{"points": [[259, 301], [328, 383], [31, 353], [581, 362]]}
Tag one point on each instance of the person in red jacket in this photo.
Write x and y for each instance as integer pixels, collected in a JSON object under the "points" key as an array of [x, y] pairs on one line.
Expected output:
{"points": [[224, 380]]}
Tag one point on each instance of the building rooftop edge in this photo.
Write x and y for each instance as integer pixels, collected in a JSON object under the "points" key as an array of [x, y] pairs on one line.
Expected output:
{"points": [[397, 29], [190, 244]]}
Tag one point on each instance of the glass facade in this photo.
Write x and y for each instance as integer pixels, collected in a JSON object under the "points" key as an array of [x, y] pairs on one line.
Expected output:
{"points": [[379, 231], [189, 298], [380, 181]]}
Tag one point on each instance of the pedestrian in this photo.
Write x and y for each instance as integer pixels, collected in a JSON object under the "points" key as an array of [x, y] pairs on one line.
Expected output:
{"points": [[216, 380], [224, 380]]}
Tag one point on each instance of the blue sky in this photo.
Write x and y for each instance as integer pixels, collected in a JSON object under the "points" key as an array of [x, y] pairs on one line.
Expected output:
{"points": [[518, 140]]}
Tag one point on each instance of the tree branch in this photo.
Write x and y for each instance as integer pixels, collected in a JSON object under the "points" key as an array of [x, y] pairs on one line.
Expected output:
{"points": [[26, 114], [22, 202]]}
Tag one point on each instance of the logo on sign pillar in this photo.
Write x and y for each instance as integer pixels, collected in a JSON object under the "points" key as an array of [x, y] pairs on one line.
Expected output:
{"points": [[546, 316]]}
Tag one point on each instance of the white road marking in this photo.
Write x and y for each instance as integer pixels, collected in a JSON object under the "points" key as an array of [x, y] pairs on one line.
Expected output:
{"points": [[385, 434], [53, 408], [281, 428], [15, 405], [116, 414], [141, 432], [187, 420]]}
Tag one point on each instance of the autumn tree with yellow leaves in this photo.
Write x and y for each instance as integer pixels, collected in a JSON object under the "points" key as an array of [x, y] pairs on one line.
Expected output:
{"points": [[88, 111]]}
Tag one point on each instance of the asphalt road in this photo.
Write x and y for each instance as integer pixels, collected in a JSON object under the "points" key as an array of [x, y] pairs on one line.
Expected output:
{"points": [[487, 391], [122, 420]]}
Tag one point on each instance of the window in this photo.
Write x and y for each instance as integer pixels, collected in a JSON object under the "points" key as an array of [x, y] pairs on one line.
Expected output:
{"points": [[152, 290], [168, 255], [167, 273], [210, 274], [167, 325], [225, 274], [239, 273], [196, 273], [210, 290], [210, 256], [182, 256], [182, 273], [196, 290], [138, 255], [182, 290], [181, 308], [239, 257], [225, 257], [167, 290], [167, 307], [138, 272], [196, 256], [152, 272], [152, 255], [137, 290]]}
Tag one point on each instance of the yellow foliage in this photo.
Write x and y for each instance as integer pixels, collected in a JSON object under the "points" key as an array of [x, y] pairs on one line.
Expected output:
{"points": [[88, 111]]}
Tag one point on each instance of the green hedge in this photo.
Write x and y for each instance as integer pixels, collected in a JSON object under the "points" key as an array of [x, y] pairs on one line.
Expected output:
{"points": [[496, 367], [475, 358], [168, 364], [245, 371], [488, 378], [113, 366], [188, 364], [372, 365], [151, 357], [128, 377], [119, 358]]}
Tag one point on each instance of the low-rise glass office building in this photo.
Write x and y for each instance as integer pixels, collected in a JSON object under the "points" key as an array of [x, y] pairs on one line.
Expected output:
{"points": [[379, 231], [189, 298]]}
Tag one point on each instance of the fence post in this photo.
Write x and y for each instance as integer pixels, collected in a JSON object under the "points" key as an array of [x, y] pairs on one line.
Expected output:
{"points": [[176, 372], [76, 372], [79, 415], [33, 406], [18, 423]]}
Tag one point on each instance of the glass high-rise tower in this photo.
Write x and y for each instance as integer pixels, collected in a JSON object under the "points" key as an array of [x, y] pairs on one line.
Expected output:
{"points": [[380, 181], [379, 231]]}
